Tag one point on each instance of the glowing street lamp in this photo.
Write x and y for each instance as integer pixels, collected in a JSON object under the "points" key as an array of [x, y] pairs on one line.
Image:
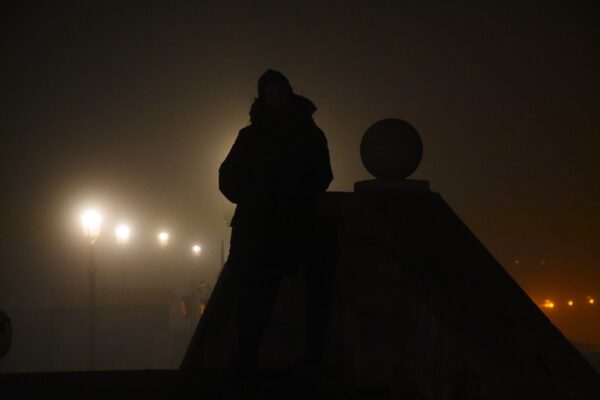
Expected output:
{"points": [[91, 220], [591, 300], [570, 303], [123, 233], [196, 250], [163, 239]]}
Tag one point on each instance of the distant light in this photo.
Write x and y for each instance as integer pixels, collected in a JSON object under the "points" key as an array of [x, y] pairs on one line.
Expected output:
{"points": [[516, 261], [196, 250], [570, 303], [163, 238], [123, 233], [542, 262], [591, 300], [91, 220], [548, 304]]}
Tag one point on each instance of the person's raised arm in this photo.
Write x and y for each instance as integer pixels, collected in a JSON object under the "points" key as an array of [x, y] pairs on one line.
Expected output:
{"points": [[233, 173], [320, 174]]}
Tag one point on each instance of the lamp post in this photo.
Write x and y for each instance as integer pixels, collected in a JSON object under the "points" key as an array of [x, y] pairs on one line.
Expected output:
{"points": [[196, 250], [165, 277], [91, 220], [197, 288], [122, 234]]}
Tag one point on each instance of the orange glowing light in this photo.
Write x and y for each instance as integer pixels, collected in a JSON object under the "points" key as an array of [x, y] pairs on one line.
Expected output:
{"points": [[570, 303], [591, 300], [548, 304]]}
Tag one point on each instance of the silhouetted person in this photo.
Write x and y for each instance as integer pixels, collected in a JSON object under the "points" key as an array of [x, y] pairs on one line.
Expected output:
{"points": [[274, 172]]}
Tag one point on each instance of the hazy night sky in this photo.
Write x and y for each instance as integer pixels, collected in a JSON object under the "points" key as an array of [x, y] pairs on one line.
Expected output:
{"points": [[133, 105]]}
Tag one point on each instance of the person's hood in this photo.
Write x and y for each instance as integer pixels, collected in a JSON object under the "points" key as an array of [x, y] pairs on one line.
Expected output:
{"points": [[299, 108]]}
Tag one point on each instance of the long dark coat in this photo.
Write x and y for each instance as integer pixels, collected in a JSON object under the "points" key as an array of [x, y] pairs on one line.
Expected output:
{"points": [[274, 172]]}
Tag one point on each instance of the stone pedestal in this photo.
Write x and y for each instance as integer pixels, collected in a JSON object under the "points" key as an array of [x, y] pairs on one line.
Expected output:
{"points": [[425, 310], [421, 309]]}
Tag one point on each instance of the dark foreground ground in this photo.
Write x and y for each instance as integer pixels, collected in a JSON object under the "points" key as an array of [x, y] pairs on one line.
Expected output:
{"points": [[168, 384]]}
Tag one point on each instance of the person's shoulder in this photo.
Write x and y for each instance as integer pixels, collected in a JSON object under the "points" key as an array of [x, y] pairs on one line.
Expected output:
{"points": [[303, 105], [305, 109], [246, 132], [248, 129], [315, 133]]}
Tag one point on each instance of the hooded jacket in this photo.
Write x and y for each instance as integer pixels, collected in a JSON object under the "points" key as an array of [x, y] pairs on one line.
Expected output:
{"points": [[276, 167]]}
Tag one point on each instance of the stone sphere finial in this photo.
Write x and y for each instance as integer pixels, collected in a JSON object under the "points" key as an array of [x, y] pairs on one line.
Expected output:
{"points": [[391, 149]]}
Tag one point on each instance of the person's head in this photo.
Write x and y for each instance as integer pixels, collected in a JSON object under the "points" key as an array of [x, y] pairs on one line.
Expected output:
{"points": [[274, 89]]}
